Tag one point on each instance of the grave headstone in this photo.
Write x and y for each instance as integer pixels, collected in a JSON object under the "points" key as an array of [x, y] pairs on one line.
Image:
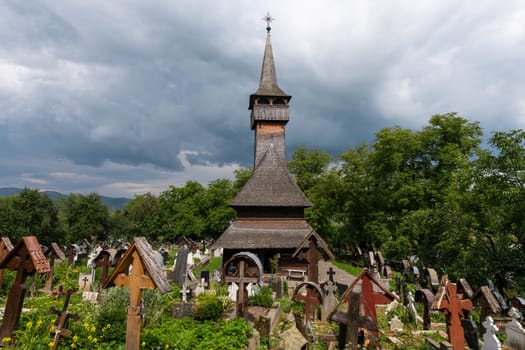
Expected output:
{"points": [[432, 279], [181, 265], [395, 324], [490, 340], [61, 324], [515, 332], [486, 299], [182, 309], [293, 339], [27, 259], [312, 296], [52, 253], [5, 247], [205, 275], [470, 329], [85, 280], [185, 292], [277, 287], [243, 268], [454, 307], [425, 297], [138, 269], [330, 300], [464, 288], [411, 306]]}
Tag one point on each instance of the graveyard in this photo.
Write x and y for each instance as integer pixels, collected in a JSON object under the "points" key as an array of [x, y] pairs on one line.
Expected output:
{"points": [[412, 242], [180, 297]]}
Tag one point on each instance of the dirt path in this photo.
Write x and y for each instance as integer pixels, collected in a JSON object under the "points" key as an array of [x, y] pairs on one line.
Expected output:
{"points": [[340, 276]]}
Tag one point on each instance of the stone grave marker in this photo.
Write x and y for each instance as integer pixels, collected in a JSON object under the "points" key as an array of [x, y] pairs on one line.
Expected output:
{"points": [[138, 269], [61, 324], [277, 287], [464, 288], [5, 247], [425, 297], [85, 281], [52, 253], [490, 341], [205, 275], [454, 308], [26, 258], [395, 324], [486, 299], [232, 291], [330, 300], [470, 329], [411, 307], [515, 331], [293, 339], [432, 279], [181, 266]]}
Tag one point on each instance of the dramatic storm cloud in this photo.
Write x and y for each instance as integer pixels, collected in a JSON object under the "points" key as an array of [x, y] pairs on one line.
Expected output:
{"points": [[126, 97]]}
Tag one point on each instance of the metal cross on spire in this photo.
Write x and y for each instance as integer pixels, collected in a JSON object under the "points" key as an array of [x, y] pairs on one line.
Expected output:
{"points": [[269, 19]]}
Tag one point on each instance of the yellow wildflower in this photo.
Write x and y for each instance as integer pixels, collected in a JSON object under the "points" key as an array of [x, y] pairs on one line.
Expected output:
{"points": [[6, 340], [29, 324]]}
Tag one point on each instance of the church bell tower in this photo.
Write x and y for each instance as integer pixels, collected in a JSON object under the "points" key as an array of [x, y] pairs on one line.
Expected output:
{"points": [[269, 106]]}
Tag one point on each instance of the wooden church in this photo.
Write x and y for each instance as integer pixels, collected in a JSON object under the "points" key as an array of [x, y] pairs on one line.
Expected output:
{"points": [[270, 207]]}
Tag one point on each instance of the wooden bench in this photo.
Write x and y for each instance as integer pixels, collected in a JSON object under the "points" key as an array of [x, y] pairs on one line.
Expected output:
{"points": [[292, 273]]}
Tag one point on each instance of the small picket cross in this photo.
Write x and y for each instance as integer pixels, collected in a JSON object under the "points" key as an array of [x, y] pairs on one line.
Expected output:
{"points": [[330, 274], [62, 320], [185, 292], [454, 307]]}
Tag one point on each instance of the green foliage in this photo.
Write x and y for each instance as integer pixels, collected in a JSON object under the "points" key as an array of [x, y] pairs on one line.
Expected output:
{"points": [[85, 217], [113, 310], [262, 298], [208, 308], [191, 334], [351, 269]]}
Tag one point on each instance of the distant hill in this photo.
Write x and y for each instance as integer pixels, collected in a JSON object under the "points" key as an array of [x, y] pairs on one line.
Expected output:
{"points": [[110, 202]]}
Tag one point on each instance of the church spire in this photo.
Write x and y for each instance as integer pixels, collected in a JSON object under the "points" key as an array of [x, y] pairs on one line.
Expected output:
{"points": [[268, 82]]}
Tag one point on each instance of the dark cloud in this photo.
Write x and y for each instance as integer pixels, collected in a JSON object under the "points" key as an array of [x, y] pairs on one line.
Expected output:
{"points": [[126, 97]]}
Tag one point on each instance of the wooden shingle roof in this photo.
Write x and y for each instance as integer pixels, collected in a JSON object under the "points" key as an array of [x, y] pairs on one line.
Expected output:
{"points": [[271, 185], [264, 233]]}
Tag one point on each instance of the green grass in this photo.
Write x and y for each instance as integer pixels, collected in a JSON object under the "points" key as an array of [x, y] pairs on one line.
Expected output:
{"points": [[351, 269], [214, 264]]}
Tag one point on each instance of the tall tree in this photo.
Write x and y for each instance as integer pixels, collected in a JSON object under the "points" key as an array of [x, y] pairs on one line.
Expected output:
{"points": [[85, 217]]}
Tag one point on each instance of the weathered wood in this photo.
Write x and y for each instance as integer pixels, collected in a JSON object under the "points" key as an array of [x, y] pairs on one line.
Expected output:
{"points": [[52, 253], [138, 269], [5, 247], [312, 298], [242, 278], [61, 323], [454, 308], [26, 259]]}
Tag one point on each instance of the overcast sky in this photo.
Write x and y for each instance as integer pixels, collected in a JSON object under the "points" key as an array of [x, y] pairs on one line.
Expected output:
{"points": [[127, 97]]}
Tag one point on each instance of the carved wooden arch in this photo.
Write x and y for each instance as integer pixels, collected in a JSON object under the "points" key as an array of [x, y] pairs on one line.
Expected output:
{"points": [[312, 286], [309, 299], [251, 259]]}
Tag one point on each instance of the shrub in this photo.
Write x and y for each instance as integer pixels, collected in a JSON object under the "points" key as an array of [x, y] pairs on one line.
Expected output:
{"points": [[262, 298], [113, 310], [208, 307]]}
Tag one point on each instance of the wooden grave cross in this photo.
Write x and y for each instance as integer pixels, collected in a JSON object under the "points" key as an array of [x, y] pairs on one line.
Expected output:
{"points": [[311, 300], [26, 258], [52, 253], [316, 250], [138, 269], [5, 247], [242, 279], [103, 259], [370, 297], [454, 307], [62, 320]]}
